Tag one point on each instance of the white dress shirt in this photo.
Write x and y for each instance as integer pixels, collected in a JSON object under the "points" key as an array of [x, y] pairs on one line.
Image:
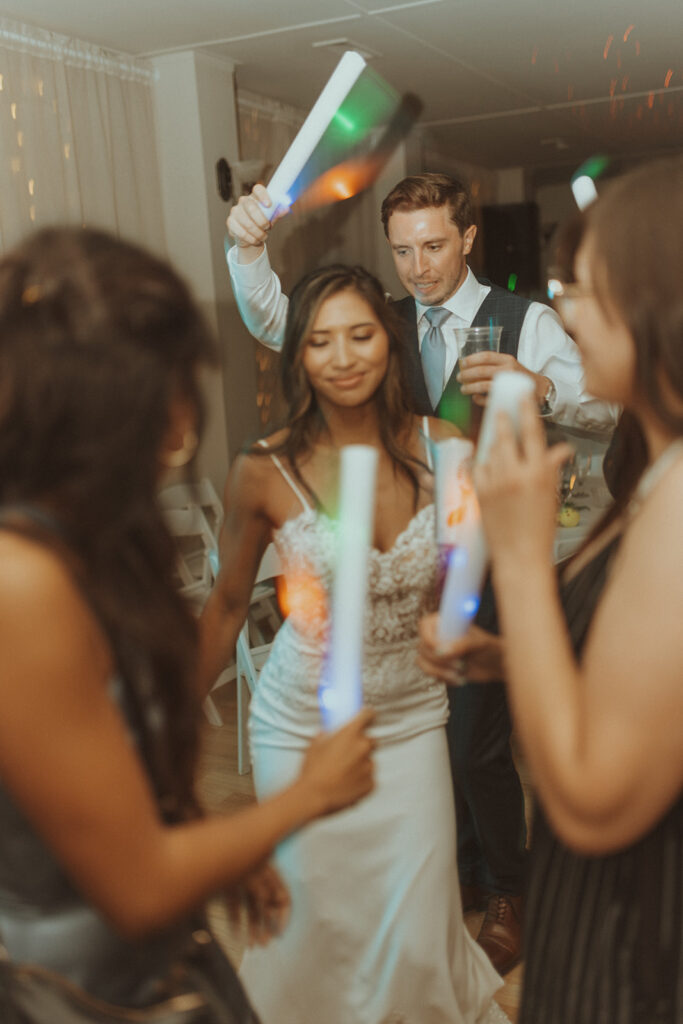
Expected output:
{"points": [[544, 347]]}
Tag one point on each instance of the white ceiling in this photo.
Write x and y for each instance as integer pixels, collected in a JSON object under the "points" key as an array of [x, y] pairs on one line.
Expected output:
{"points": [[538, 83]]}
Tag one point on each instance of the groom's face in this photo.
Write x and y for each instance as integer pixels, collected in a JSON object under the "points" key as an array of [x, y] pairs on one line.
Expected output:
{"points": [[430, 252]]}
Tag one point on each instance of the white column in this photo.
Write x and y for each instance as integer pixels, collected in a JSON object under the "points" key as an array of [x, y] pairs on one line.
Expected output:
{"points": [[393, 172], [511, 185], [196, 124]]}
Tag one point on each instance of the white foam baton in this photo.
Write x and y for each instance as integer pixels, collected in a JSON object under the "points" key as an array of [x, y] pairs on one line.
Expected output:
{"points": [[508, 389], [341, 688], [452, 486], [459, 533], [457, 501], [584, 191], [339, 85]]}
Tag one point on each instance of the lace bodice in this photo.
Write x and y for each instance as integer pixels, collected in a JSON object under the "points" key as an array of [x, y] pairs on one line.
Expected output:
{"points": [[401, 581], [401, 589]]}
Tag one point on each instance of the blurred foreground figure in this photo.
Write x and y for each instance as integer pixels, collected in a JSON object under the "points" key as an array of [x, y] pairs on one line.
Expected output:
{"points": [[599, 705], [105, 859]]}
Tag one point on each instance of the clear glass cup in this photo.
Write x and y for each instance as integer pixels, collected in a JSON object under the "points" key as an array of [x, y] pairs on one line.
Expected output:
{"points": [[477, 339]]}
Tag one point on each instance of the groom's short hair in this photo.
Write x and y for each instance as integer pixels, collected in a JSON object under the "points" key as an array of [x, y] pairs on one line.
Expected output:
{"points": [[419, 191]]}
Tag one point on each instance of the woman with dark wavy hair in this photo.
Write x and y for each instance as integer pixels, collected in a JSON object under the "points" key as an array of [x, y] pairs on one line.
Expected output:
{"points": [[376, 933], [594, 667], [105, 858]]}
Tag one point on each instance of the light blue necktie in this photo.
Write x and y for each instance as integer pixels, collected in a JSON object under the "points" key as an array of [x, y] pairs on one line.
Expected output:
{"points": [[433, 353]]}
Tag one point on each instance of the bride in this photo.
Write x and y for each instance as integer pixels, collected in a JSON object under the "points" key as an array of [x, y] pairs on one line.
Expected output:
{"points": [[376, 934]]}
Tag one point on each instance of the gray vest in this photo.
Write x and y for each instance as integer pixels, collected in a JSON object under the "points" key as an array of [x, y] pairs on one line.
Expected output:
{"points": [[500, 307]]}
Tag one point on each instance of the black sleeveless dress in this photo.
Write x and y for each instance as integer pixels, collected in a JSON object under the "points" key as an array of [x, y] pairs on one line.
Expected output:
{"points": [[603, 936]]}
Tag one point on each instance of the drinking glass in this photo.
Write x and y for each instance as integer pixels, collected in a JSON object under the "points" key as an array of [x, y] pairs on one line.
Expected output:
{"points": [[478, 339]]}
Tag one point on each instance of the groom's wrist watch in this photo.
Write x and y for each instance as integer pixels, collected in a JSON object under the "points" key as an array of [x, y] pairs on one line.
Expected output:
{"points": [[549, 398]]}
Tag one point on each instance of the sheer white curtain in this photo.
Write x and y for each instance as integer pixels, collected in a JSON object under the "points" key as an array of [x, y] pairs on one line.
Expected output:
{"points": [[77, 141]]}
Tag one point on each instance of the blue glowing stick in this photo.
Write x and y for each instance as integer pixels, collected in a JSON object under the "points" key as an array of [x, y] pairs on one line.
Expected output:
{"points": [[312, 130]]}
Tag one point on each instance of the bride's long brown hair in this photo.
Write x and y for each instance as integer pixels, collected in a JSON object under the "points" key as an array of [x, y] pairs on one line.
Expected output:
{"points": [[304, 417]]}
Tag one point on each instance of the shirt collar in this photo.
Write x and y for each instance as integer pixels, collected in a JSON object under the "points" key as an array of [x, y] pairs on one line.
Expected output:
{"points": [[464, 303]]}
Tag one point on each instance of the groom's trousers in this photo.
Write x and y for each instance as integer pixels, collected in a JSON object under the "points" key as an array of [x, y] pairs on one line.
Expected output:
{"points": [[489, 800]]}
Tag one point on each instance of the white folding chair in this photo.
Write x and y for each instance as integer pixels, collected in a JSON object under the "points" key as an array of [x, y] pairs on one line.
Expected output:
{"points": [[194, 514], [253, 647]]}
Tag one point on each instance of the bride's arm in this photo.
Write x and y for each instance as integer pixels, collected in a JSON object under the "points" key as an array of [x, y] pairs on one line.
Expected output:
{"points": [[603, 738]]}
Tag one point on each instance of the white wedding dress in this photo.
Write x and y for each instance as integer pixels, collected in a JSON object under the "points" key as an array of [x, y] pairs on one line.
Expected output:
{"points": [[376, 934]]}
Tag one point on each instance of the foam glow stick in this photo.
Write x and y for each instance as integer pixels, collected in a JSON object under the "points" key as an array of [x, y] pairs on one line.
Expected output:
{"points": [[452, 486], [584, 191], [469, 555], [342, 80], [458, 529], [467, 562], [508, 388], [583, 180], [341, 689]]}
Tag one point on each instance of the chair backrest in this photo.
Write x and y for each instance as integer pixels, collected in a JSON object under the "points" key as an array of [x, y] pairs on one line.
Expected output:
{"points": [[200, 494], [269, 566], [193, 514]]}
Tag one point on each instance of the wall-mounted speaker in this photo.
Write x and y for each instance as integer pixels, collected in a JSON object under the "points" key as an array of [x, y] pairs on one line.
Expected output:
{"points": [[224, 180]]}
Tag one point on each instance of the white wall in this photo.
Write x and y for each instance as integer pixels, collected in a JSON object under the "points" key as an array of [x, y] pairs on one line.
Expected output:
{"points": [[556, 205], [395, 169], [196, 125]]}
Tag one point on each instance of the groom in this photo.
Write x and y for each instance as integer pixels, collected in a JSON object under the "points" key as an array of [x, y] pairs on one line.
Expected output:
{"points": [[428, 220]]}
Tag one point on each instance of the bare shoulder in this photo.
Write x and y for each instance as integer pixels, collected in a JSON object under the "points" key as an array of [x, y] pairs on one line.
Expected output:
{"points": [[633, 662], [646, 584], [31, 572], [253, 475], [656, 526], [44, 617]]}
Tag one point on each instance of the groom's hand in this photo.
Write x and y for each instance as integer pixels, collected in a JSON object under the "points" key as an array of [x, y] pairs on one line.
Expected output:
{"points": [[478, 370], [475, 657]]}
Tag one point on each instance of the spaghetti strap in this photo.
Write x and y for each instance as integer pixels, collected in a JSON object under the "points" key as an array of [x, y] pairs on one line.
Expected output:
{"points": [[427, 442], [297, 490]]}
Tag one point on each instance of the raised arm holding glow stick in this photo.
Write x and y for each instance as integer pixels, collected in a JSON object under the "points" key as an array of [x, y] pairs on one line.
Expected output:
{"points": [[341, 690], [342, 80]]}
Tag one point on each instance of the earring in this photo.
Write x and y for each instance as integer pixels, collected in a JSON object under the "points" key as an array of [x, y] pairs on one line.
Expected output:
{"points": [[174, 458]]}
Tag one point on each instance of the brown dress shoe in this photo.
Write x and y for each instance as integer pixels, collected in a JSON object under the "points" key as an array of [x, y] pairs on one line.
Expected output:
{"points": [[500, 935], [473, 897]]}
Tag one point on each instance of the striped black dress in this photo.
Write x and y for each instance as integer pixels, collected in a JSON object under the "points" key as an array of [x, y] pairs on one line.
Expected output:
{"points": [[604, 935]]}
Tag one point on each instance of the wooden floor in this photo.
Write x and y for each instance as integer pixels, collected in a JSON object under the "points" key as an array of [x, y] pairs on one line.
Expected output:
{"points": [[222, 789]]}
